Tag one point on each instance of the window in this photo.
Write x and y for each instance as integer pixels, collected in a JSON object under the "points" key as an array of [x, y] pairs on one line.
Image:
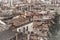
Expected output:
{"points": [[23, 29], [19, 30], [27, 28]]}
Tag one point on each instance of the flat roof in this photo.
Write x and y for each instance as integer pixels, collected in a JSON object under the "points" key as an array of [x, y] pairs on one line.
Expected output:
{"points": [[6, 35]]}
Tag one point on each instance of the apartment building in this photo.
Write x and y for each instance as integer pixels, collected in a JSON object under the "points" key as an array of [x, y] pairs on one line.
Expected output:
{"points": [[46, 1]]}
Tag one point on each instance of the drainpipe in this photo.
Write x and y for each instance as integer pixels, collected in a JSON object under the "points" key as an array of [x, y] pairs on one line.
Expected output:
{"points": [[16, 35]]}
